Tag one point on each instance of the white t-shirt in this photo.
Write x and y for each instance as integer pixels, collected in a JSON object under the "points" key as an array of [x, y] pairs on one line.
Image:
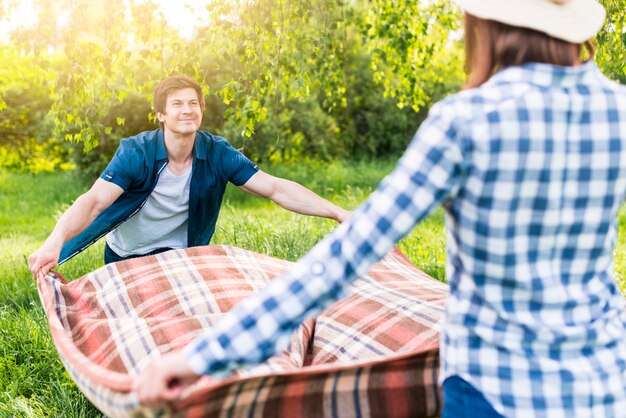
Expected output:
{"points": [[160, 223]]}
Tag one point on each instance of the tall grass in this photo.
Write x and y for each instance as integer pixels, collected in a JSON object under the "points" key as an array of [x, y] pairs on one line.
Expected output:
{"points": [[33, 383]]}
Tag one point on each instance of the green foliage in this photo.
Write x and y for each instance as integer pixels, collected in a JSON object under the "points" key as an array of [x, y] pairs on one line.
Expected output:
{"points": [[25, 97], [372, 124], [289, 78], [282, 51], [97, 75], [611, 55], [282, 79], [348, 113], [620, 250], [412, 45], [299, 129]]}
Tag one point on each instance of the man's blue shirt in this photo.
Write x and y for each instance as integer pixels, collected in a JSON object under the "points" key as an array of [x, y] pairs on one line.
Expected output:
{"points": [[135, 167]]}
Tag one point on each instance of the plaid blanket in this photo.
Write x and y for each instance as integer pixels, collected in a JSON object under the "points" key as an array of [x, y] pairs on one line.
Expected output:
{"points": [[373, 354]]}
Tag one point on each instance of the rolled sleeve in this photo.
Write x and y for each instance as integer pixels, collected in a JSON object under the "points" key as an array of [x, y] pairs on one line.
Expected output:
{"points": [[237, 167], [122, 168]]}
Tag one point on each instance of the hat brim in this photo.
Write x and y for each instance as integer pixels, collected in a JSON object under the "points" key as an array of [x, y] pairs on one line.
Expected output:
{"points": [[575, 21]]}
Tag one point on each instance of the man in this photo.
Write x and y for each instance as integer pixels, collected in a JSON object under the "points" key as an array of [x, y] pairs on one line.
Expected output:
{"points": [[163, 189]]}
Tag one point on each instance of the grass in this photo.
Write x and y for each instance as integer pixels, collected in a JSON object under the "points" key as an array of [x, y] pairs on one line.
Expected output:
{"points": [[33, 382]]}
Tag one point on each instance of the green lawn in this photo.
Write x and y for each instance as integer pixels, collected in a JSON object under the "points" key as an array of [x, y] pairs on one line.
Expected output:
{"points": [[33, 383]]}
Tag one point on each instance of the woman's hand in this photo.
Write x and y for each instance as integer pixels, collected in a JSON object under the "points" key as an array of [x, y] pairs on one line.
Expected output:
{"points": [[164, 379]]}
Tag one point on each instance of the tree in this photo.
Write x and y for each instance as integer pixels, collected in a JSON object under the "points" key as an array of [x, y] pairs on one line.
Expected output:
{"points": [[410, 44], [271, 52], [26, 92], [611, 55], [271, 70]]}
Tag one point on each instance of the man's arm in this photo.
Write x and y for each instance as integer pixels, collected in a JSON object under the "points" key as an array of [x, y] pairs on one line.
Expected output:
{"points": [[75, 220], [293, 196]]}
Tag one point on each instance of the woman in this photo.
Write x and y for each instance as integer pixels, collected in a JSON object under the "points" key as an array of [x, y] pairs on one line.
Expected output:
{"points": [[529, 163]]}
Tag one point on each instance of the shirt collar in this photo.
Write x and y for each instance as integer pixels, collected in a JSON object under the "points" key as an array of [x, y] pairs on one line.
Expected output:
{"points": [[199, 146], [545, 75], [161, 151]]}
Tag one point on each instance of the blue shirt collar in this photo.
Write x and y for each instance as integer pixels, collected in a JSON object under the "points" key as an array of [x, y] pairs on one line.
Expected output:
{"points": [[200, 147], [161, 151]]}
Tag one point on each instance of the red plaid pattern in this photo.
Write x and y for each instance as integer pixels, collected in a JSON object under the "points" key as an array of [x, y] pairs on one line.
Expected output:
{"points": [[373, 354]]}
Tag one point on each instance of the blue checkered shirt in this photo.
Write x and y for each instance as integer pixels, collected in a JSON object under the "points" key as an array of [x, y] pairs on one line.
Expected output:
{"points": [[531, 171]]}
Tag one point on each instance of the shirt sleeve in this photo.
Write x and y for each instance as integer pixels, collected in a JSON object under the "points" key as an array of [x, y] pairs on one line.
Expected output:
{"points": [[237, 167], [121, 169], [262, 325]]}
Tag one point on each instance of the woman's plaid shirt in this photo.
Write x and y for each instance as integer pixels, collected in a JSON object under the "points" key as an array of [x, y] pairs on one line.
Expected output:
{"points": [[531, 171]]}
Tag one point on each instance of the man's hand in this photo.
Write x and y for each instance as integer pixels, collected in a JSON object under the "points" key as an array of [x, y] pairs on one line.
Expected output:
{"points": [[43, 260], [164, 379]]}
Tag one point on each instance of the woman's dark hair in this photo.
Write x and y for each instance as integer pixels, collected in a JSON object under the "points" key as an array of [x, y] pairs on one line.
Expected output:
{"points": [[491, 45]]}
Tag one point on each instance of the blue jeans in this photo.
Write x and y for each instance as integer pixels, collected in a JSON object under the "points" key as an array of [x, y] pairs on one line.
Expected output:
{"points": [[462, 400], [111, 256]]}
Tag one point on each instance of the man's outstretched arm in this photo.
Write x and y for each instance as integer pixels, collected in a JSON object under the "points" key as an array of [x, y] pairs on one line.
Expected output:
{"points": [[75, 220], [293, 196]]}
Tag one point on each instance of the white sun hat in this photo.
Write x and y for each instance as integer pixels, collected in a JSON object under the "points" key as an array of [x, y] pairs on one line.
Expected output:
{"points": [[574, 21]]}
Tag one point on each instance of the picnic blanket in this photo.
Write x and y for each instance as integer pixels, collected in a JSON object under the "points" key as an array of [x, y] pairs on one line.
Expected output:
{"points": [[373, 354]]}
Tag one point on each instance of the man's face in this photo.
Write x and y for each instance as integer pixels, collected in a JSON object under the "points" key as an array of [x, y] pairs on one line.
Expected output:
{"points": [[182, 112]]}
